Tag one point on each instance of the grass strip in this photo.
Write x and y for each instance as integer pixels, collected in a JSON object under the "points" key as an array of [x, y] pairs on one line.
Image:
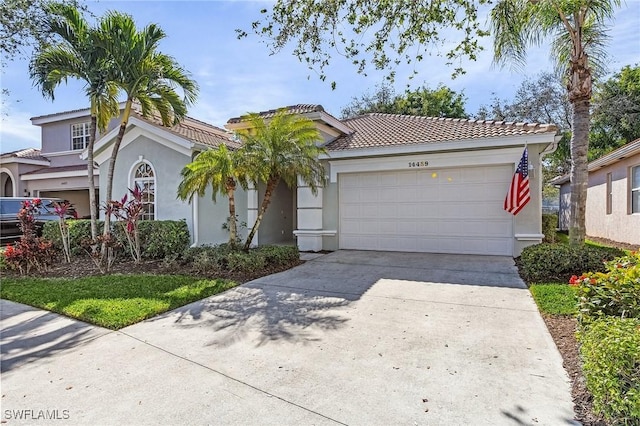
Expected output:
{"points": [[111, 301]]}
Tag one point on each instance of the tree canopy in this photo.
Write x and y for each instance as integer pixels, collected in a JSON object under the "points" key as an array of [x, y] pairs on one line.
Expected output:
{"points": [[616, 113], [372, 33], [439, 102]]}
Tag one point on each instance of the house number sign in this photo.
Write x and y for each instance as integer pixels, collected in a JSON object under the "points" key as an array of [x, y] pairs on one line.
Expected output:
{"points": [[418, 163]]}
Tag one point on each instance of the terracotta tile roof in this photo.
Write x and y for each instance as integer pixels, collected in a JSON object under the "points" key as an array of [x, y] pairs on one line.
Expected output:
{"points": [[195, 131], [28, 153], [293, 109], [378, 130], [59, 169]]}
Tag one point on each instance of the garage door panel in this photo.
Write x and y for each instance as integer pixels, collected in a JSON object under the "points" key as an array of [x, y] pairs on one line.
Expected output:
{"points": [[445, 211]]}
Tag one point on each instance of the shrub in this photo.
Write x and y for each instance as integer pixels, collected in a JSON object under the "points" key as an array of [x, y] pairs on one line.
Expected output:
{"points": [[615, 292], [549, 224], [158, 238], [222, 258], [611, 354], [280, 255], [558, 262], [79, 230], [163, 238], [30, 251]]}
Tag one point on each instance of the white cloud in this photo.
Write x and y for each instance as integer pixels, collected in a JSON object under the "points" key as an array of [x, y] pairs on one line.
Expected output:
{"points": [[17, 132]]}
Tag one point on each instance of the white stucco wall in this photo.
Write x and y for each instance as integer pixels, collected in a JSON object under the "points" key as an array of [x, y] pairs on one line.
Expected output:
{"points": [[620, 225], [211, 217]]}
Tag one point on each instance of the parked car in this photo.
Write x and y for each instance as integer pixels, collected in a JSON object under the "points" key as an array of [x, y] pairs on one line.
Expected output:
{"points": [[9, 224]]}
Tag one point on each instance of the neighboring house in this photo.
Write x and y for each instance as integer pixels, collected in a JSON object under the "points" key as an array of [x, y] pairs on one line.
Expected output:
{"points": [[56, 170], [401, 183], [613, 196]]}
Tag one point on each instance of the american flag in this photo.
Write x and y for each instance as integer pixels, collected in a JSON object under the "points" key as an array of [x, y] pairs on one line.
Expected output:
{"points": [[519, 195]]}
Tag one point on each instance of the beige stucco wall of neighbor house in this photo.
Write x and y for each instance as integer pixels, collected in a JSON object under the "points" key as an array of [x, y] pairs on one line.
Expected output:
{"points": [[620, 225], [564, 207], [167, 164], [78, 198]]}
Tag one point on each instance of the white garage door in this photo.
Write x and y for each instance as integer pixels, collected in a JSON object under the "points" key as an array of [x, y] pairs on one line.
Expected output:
{"points": [[437, 211]]}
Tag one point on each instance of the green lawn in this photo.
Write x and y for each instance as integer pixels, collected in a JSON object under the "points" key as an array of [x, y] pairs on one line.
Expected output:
{"points": [[112, 301], [555, 298]]}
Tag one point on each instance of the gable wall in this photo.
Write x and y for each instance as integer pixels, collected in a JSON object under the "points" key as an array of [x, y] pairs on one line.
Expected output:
{"points": [[619, 225], [167, 164]]}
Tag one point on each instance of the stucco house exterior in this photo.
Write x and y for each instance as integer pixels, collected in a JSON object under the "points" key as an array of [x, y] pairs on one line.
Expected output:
{"points": [[398, 183], [613, 196], [56, 170]]}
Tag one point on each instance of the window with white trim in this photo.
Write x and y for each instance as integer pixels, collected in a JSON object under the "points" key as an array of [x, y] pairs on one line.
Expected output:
{"points": [[79, 135], [635, 189], [145, 178]]}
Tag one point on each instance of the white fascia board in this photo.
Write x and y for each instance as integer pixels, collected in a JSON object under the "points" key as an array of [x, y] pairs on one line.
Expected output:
{"points": [[77, 152], [17, 160], [426, 161], [329, 120], [447, 146], [136, 128], [621, 153], [57, 175]]}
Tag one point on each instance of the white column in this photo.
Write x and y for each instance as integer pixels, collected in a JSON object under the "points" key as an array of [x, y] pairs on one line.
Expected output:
{"points": [[309, 232]]}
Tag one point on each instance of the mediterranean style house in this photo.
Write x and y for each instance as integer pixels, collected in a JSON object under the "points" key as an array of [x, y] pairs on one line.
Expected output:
{"points": [[398, 183], [613, 196]]}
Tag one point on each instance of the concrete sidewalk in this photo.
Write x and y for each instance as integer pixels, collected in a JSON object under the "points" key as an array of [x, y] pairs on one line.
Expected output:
{"points": [[348, 338]]}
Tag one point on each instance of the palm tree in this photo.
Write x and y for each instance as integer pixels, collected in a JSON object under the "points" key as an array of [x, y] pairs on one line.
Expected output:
{"points": [[221, 169], [74, 55], [578, 34], [284, 148], [147, 77]]}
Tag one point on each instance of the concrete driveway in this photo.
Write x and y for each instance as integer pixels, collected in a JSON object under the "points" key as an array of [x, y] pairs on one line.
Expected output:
{"points": [[352, 337]]}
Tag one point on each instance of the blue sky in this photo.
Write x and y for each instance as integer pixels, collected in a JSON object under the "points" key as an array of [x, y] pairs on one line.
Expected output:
{"points": [[239, 76]]}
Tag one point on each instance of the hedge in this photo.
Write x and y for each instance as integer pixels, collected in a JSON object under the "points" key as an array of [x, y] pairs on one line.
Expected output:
{"points": [[610, 351], [558, 262]]}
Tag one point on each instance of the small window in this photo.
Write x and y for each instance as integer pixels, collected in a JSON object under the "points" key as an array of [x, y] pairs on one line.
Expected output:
{"points": [[635, 189], [145, 179], [79, 135], [609, 192]]}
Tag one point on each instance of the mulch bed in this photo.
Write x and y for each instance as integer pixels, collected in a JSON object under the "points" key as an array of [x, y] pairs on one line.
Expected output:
{"points": [[84, 267]]}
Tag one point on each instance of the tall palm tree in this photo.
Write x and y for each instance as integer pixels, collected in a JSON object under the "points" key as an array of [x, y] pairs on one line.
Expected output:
{"points": [[577, 30], [146, 76], [221, 169], [282, 149], [73, 54]]}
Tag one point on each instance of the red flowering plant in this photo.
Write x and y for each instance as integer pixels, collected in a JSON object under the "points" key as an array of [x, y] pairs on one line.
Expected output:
{"points": [[615, 292], [128, 212], [63, 210], [30, 251]]}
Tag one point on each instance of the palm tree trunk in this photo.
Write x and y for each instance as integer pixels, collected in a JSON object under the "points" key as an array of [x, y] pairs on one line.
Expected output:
{"points": [[579, 174], [112, 165], [271, 185], [233, 229], [92, 186]]}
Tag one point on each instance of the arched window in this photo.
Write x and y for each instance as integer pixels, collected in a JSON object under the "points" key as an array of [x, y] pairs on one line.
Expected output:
{"points": [[144, 177]]}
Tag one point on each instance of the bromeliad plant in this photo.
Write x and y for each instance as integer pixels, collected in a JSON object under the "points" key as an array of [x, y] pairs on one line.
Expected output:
{"points": [[128, 212], [615, 292], [29, 251]]}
